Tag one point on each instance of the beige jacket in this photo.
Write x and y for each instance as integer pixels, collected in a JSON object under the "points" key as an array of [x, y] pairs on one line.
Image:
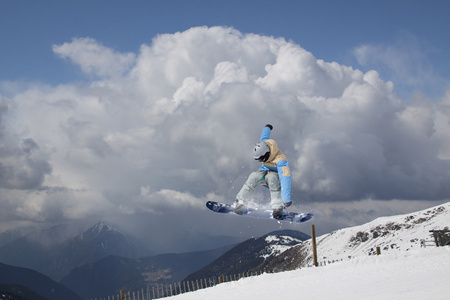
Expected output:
{"points": [[275, 154]]}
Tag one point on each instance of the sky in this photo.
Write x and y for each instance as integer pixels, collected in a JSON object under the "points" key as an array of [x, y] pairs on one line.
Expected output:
{"points": [[140, 112]]}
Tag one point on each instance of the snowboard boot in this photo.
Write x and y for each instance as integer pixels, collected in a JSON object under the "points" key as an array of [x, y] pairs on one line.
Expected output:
{"points": [[240, 208], [277, 213]]}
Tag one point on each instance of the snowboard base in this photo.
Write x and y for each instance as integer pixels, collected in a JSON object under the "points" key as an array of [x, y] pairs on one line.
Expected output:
{"points": [[259, 213]]}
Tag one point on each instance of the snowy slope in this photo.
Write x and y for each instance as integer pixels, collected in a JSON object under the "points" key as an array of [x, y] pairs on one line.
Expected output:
{"points": [[391, 234], [404, 270], [421, 273]]}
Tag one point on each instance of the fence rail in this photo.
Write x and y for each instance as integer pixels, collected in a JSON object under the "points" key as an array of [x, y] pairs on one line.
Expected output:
{"points": [[159, 291]]}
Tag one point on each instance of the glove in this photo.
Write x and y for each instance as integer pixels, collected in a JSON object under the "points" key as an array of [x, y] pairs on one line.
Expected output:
{"points": [[270, 126], [287, 204]]}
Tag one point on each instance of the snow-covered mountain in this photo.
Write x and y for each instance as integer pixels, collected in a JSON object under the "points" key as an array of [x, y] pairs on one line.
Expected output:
{"points": [[396, 233], [392, 234], [251, 253]]}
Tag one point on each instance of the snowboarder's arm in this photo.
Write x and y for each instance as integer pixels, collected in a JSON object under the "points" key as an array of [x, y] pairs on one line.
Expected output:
{"points": [[284, 173], [265, 134]]}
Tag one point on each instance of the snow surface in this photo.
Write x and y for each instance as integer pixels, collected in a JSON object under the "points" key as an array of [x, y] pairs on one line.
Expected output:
{"points": [[393, 234], [422, 273]]}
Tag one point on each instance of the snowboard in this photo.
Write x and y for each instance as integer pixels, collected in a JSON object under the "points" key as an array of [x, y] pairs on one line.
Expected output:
{"points": [[290, 217]]}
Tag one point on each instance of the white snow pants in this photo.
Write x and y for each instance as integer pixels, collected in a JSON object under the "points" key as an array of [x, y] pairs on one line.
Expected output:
{"points": [[267, 178]]}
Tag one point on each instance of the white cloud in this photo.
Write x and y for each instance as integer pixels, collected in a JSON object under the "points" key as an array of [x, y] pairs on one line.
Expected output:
{"points": [[181, 118], [95, 58], [227, 72], [23, 164]]}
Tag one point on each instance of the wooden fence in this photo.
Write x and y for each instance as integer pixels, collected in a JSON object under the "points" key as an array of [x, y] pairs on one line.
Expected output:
{"points": [[159, 291]]}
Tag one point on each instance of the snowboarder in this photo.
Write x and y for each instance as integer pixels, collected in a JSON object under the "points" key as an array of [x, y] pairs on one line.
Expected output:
{"points": [[273, 174]]}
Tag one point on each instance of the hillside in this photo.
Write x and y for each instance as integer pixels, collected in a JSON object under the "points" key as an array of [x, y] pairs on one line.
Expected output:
{"points": [[18, 292], [57, 250], [250, 253], [33, 282], [392, 234], [113, 273]]}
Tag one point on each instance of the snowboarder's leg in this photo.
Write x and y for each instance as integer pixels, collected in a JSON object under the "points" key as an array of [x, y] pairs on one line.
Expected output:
{"points": [[247, 190], [276, 202]]}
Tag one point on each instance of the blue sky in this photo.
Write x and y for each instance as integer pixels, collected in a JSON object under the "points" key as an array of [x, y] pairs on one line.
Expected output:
{"points": [[125, 110], [331, 30]]}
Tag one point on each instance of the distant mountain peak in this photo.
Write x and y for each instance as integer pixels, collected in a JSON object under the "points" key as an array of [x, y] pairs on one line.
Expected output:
{"points": [[103, 226], [98, 229], [277, 244]]}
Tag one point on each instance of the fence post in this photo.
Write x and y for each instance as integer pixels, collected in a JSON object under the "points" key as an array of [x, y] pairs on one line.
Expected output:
{"points": [[221, 279], [122, 295], [378, 250], [314, 246]]}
